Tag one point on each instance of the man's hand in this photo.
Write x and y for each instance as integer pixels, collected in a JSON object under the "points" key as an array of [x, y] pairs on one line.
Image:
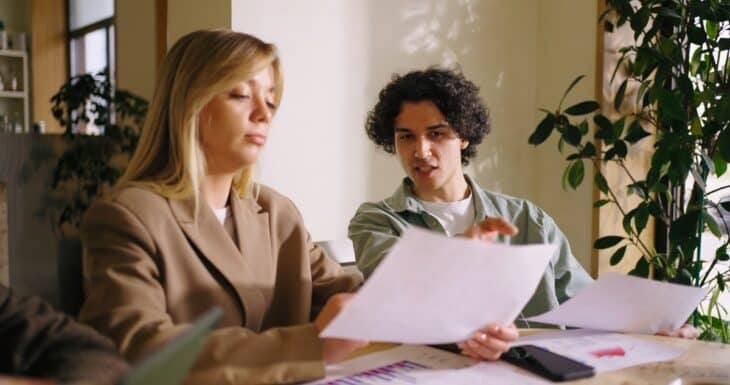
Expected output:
{"points": [[334, 349], [489, 343], [488, 229], [686, 331]]}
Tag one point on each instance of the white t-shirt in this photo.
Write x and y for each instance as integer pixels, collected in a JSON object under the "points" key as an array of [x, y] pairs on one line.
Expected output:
{"points": [[455, 217], [225, 218]]}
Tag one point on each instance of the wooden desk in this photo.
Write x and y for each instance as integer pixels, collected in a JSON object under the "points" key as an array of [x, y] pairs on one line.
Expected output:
{"points": [[702, 359]]}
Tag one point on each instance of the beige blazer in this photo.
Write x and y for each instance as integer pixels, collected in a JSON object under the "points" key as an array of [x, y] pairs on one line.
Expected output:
{"points": [[152, 265]]}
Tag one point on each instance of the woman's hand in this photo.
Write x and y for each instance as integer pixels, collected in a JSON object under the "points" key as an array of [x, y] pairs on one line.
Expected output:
{"points": [[686, 331], [488, 229], [335, 349], [489, 343]]}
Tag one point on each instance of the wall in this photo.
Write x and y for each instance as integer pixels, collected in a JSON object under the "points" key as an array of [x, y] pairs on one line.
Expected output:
{"points": [[4, 267], [337, 55], [566, 48], [185, 16], [16, 15], [135, 43], [49, 59]]}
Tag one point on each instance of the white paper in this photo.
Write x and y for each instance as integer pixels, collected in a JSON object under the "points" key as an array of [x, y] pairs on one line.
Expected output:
{"points": [[617, 302], [432, 289], [416, 364], [602, 350]]}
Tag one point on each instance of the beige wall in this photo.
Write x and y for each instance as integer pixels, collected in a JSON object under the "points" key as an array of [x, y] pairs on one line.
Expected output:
{"points": [[566, 48], [135, 43], [16, 15], [185, 16], [337, 55]]}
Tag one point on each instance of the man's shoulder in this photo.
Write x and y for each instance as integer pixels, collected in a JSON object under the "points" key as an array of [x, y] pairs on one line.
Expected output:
{"points": [[512, 207]]}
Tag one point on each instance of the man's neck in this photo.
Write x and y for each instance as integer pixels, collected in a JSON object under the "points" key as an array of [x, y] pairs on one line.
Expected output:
{"points": [[216, 188], [453, 191]]}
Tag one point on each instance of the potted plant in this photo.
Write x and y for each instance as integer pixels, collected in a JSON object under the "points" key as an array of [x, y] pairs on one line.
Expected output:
{"points": [[678, 64], [88, 164]]}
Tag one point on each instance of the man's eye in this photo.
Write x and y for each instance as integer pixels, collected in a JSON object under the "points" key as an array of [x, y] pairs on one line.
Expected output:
{"points": [[405, 137]]}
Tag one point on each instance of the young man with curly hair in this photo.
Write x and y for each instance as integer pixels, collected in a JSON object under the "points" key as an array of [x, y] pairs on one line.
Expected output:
{"points": [[434, 120]]}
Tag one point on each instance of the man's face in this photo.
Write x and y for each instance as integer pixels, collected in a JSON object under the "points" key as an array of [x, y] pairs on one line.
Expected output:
{"points": [[428, 148]]}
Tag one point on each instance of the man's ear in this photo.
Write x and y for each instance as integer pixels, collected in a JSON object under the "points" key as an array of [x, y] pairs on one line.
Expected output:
{"points": [[464, 144]]}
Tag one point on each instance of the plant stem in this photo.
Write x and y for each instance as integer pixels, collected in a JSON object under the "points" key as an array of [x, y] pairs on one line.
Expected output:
{"points": [[632, 233]]}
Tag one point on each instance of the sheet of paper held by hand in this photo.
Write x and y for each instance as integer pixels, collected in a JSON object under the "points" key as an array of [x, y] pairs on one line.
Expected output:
{"points": [[622, 303], [432, 289]]}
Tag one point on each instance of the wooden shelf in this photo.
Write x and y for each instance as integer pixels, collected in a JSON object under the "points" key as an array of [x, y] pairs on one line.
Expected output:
{"points": [[12, 94], [12, 53]]}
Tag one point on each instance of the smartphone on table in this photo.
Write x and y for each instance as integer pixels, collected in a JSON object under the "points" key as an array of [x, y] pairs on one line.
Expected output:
{"points": [[547, 364]]}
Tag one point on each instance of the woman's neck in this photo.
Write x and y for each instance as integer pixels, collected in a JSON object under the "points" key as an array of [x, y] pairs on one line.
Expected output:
{"points": [[216, 188]]}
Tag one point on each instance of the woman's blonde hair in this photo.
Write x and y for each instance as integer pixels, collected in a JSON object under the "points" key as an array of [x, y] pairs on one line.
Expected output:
{"points": [[169, 159]]}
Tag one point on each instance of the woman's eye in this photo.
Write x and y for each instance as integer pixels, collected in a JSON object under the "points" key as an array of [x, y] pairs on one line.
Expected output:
{"points": [[240, 96], [404, 137], [271, 106]]}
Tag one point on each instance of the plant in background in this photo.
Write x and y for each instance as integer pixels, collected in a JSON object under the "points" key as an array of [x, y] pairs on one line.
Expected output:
{"points": [[91, 163], [678, 63]]}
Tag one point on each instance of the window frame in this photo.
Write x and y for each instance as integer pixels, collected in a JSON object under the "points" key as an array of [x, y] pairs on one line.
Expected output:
{"points": [[104, 24]]}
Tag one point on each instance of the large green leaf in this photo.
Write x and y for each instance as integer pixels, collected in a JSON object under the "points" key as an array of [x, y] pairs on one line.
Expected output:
{"points": [[543, 130], [641, 218], [617, 256], [641, 269], [635, 132], [583, 108], [601, 182], [619, 98], [601, 203], [576, 174], [670, 106], [572, 135], [607, 241]]}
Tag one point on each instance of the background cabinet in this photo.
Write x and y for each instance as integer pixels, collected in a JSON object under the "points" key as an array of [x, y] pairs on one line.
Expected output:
{"points": [[14, 112]]}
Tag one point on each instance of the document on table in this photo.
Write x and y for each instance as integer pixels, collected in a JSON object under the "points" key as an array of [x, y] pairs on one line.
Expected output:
{"points": [[432, 289], [603, 351], [416, 364], [617, 302]]}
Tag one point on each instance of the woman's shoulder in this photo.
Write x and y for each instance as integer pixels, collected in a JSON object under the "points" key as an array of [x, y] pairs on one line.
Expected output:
{"points": [[274, 202], [138, 200], [268, 197]]}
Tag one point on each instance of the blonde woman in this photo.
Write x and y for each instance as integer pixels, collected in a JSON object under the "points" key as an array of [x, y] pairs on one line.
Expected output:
{"points": [[186, 228]]}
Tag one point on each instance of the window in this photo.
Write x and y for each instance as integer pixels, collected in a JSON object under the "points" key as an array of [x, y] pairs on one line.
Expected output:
{"points": [[91, 45], [91, 36]]}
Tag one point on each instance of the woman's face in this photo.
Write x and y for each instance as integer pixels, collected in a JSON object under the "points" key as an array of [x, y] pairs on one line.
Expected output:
{"points": [[234, 125]]}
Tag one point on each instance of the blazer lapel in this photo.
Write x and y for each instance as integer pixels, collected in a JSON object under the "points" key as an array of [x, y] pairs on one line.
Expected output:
{"points": [[254, 243], [217, 248]]}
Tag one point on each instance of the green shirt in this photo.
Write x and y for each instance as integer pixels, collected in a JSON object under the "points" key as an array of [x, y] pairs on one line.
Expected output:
{"points": [[376, 227]]}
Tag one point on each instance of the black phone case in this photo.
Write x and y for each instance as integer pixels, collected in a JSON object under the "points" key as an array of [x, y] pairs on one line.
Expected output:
{"points": [[550, 365]]}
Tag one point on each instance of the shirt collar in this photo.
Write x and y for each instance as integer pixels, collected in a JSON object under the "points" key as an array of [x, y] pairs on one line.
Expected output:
{"points": [[403, 199]]}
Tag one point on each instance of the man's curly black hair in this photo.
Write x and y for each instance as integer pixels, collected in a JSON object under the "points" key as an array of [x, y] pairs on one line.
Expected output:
{"points": [[456, 97]]}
